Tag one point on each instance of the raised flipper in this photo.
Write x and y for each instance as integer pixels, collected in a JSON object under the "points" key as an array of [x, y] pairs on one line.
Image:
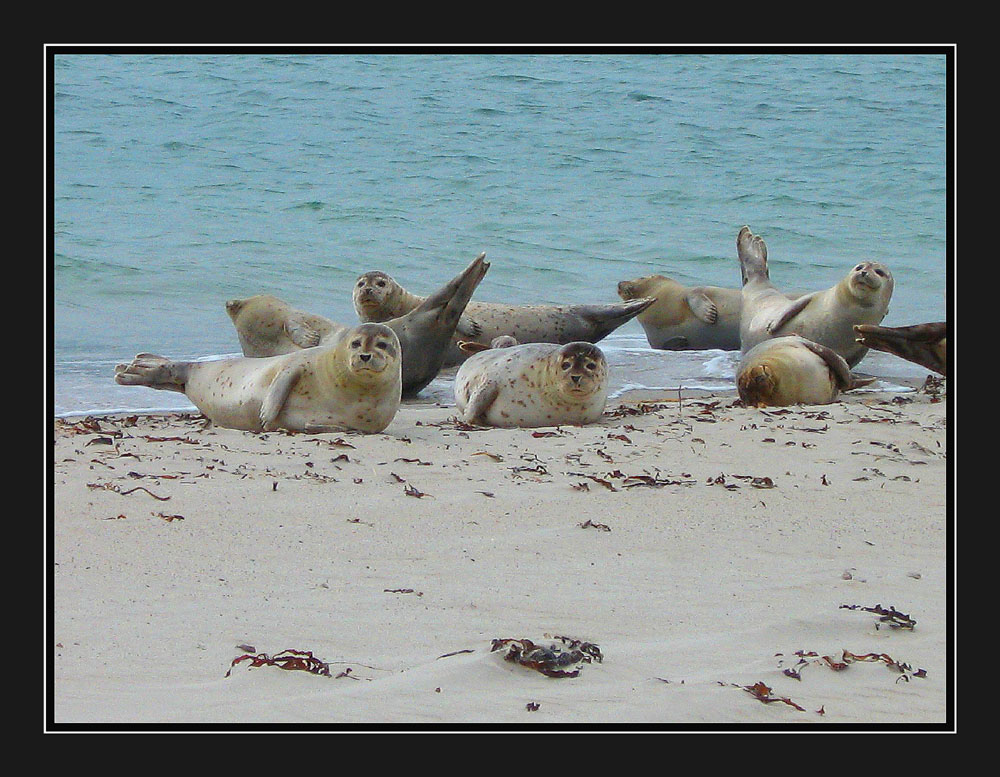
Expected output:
{"points": [[450, 300], [923, 344], [752, 253], [702, 306], [277, 395], [605, 319], [481, 399], [157, 372], [841, 372]]}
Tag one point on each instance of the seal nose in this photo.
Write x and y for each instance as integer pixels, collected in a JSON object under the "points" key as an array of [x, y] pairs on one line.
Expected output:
{"points": [[576, 379], [364, 356]]}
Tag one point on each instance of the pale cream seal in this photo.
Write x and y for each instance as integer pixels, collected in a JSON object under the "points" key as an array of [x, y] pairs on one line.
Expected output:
{"points": [[353, 382], [791, 370], [686, 317], [534, 384], [826, 317]]}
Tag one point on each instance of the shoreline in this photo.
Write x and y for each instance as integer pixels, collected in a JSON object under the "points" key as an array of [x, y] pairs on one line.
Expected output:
{"points": [[702, 546]]}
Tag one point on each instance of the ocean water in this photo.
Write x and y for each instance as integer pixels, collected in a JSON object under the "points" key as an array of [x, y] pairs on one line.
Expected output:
{"points": [[184, 179]]}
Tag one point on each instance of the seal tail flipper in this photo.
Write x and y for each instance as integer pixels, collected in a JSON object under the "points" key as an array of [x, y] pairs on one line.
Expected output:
{"points": [[923, 344], [858, 380], [605, 319], [752, 253], [450, 300], [153, 371]]}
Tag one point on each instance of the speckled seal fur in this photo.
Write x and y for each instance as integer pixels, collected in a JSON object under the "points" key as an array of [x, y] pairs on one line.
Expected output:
{"points": [[534, 384], [353, 382], [378, 297]]}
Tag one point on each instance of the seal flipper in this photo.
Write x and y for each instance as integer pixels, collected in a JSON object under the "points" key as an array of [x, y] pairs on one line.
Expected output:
{"points": [[277, 394], [794, 307], [455, 295], [841, 372], [481, 399], [702, 306], [152, 371], [923, 344], [752, 253], [301, 333], [605, 319], [469, 327]]}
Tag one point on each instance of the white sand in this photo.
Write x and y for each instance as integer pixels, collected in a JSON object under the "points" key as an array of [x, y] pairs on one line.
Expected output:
{"points": [[690, 587]]}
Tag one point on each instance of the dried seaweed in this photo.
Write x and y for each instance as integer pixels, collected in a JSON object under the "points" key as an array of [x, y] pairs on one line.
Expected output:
{"points": [[895, 619], [117, 489], [411, 490], [846, 659], [763, 693], [302, 660], [588, 524], [552, 660]]}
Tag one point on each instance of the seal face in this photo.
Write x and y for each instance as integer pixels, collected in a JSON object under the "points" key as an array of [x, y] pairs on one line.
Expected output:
{"points": [[353, 382], [791, 370], [686, 317], [485, 321], [826, 317], [534, 384]]}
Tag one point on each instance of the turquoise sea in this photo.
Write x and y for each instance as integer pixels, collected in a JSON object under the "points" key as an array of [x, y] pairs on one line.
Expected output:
{"points": [[184, 178]]}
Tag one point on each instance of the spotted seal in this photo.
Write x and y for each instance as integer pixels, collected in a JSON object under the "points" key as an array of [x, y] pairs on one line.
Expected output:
{"points": [[533, 384], [353, 382]]}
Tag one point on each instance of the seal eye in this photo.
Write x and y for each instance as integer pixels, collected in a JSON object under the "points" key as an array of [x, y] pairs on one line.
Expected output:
{"points": [[880, 273], [567, 365], [356, 344], [360, 284], [384, 346], [380, 284], [858, 267], [591, 366]]}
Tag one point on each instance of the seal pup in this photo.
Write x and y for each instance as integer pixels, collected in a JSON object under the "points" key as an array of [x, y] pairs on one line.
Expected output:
{"points": [[826, 317], [534, 384], [791, 370], [923, 344], [270, 327], [378, 297], [686, 317], [353, 382]]}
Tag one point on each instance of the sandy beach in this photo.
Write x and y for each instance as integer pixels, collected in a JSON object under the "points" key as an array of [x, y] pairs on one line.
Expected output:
{"points": [[694, 563]]}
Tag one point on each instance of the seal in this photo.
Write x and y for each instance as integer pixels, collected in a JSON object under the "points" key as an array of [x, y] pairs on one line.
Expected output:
{"points": [[826, 317], [266, 326], [686, 317], [923, 344], [533, 384], [791, 370], [378, 297], [352, 383]]}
